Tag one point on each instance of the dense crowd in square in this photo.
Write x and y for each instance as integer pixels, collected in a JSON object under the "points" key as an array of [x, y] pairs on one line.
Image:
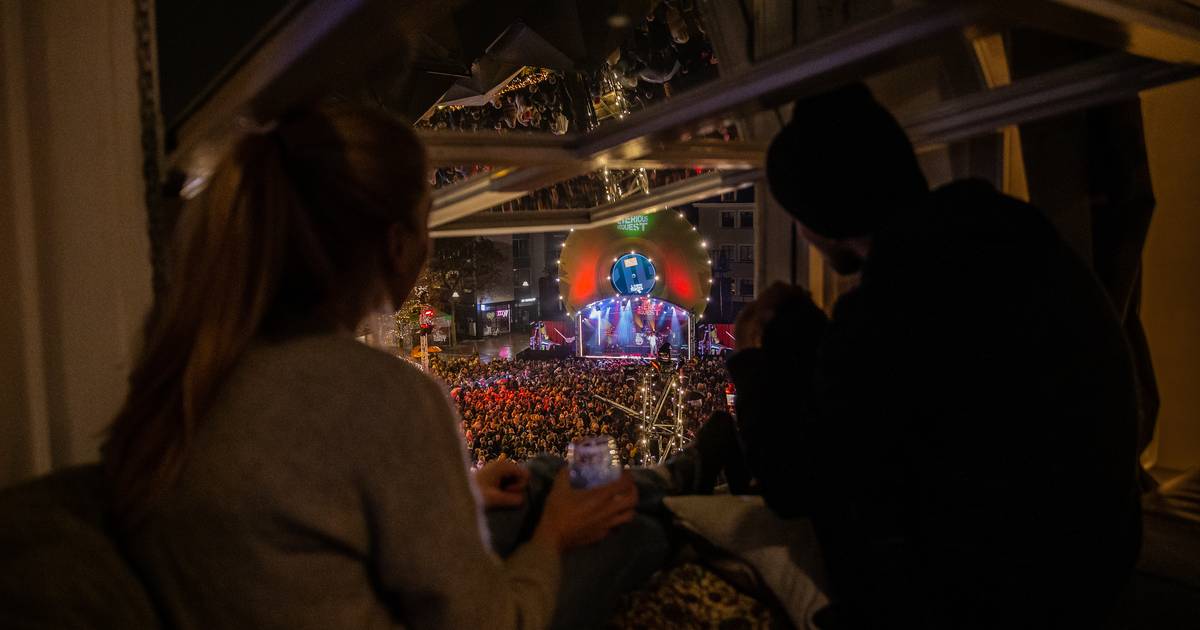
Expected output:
{"points": [[521, 409]]}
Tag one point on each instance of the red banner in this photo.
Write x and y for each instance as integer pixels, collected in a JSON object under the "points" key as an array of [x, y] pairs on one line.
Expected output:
{"points": [[559, 332]]}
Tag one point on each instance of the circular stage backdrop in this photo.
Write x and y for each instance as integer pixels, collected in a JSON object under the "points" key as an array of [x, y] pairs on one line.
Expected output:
{"points": [[658, 255]]}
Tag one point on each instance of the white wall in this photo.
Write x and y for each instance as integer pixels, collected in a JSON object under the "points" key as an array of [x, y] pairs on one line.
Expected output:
{"points": [[1171, 290], [74, 252]]}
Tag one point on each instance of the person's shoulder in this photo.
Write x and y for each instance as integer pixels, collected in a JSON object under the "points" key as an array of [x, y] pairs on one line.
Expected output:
{"points": [[971, 187], [967, 218], [975, 204], [345, 360]]}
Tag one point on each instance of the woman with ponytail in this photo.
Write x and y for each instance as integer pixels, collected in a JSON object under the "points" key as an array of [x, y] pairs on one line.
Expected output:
{"points": [[267, 470]]}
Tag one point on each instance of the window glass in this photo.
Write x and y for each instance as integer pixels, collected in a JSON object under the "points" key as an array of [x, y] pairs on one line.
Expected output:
{"points": [[727, 219], [747, 220]]}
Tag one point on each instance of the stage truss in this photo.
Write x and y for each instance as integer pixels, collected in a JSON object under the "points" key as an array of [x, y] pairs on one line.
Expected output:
{"points": [[659, 437]]}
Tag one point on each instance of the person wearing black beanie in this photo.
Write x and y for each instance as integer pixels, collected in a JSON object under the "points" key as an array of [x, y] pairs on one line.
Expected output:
{"points": [[817, 165], [962, 430]]}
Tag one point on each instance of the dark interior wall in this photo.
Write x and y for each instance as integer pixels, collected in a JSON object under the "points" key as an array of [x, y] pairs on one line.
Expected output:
{"points": [[1171, 282], [1089, 171], [15, 423], [200, 40]]}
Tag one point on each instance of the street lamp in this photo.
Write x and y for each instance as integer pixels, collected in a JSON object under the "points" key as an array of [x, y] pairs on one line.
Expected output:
{"points": [[452, 277], [453, 316]]}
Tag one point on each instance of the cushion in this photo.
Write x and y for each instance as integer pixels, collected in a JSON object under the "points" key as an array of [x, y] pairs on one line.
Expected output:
{"points": [[1177, 499], [1165, 591], [1171, 535], [58, 565], [782, 552], [690, 596]]}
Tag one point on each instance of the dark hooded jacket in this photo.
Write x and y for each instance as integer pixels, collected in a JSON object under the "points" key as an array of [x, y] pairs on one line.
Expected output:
{"points": [[962, 431]]}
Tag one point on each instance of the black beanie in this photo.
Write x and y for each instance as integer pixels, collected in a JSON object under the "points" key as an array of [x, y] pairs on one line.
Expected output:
{"points": [[843, 166]]}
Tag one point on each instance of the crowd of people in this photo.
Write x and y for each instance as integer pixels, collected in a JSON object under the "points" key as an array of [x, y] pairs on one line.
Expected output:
{"points": [[667, 52], [521, 409], [535, 101]]}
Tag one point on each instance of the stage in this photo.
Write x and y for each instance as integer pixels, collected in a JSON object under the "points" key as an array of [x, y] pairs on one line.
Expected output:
{"points": [[633, 328], [635, 286]]}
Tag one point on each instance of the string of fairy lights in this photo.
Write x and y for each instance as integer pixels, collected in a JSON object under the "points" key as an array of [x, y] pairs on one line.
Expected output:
{"points": [[528, 78], [668, 437]]}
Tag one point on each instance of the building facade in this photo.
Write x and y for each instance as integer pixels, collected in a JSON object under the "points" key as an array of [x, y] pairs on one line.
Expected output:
{"points": [[728, 228], [530, 293]]}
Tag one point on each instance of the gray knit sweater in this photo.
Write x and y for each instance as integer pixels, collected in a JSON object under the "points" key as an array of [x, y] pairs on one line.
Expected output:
{"points": [[328, 488]]}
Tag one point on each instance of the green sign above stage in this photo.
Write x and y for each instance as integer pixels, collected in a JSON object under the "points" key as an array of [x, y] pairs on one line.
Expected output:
{"points": [[637, 223]]}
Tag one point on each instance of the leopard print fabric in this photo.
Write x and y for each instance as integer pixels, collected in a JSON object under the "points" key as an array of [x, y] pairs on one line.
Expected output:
{"points": [[689, 596]]}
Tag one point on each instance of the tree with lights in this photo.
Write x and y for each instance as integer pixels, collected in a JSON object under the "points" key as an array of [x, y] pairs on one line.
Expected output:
{"points": [[468, 265]]}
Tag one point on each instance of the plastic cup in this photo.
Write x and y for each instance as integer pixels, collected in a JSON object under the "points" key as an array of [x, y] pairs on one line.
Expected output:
{"points": [[593, 461]]}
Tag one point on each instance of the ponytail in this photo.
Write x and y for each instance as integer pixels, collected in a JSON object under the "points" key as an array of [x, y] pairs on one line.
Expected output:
{"points": [[278, 233]]}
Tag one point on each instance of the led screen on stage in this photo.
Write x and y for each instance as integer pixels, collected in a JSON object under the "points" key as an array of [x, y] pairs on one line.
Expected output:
{"points": [[633, 274]]}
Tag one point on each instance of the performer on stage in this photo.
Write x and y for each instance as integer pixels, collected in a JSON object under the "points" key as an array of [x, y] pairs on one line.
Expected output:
{"points": [[714, 342], [610, 340]]}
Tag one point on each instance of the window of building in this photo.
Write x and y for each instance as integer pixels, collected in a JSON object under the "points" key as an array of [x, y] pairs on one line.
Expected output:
{"points": [[746, 287], [747, 219], [746, 253], [520, 246], [727, 219], [729, 253]]}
